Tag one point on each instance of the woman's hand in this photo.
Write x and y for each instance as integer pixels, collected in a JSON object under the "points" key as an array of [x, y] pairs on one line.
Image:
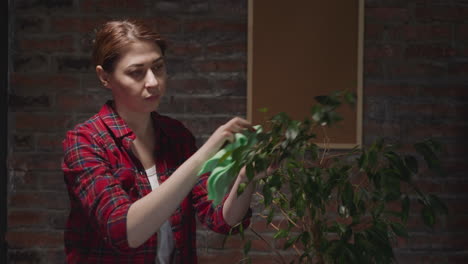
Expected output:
{"points": [[225, 133], [269, 171]]}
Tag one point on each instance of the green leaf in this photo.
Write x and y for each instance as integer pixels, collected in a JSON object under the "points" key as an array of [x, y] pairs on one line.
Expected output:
{"points": [[292, 131], [328, 100], [405, 206], [281, 234], [267, 195], [317, 113], [241, 231], [225, 156], [363, 160], [305, 239], [300, 207], [411, 163], [247, 246], [290, 242], [428, 216], [428, 150], [372, 158], [241, 188], [275, 180], [438, 205], [263, 110], [249, 171], [399, 229], [348, 194], [350, 98], [270, 216]]}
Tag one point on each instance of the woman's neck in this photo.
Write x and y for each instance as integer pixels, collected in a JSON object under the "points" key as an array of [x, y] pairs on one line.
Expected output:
{"points": [[140, 123]]}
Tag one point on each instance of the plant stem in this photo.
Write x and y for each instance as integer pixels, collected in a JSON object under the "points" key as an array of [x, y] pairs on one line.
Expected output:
{"points": [[314, 229], [266, 242]]}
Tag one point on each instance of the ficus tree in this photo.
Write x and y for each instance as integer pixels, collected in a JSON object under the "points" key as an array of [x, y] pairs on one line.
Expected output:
{"points": [[336, 206]]}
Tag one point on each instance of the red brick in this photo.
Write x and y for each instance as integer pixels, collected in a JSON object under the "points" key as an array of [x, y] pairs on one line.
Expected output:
{"points": [[47, 6], [458, 69], [41, 121], [222, 256], [34, 200], [405, 69], [111, 5], [163, 25], [208, 125], [76, 24], [382, 129], [24, 179], [443, 13], [379, 51], [52, 181], [57, 44], [184, 49], [189, 86], [23, 218], [457, 206], [374, 31], [461, 32], [204, 105], [37, 161], [231, 87], [49, 142], [215, 25], [72, 102], [372, 68], [429, 51], [220, 66], [227, 48], [421, 32], [20, 102], [29, 239], [24, 142], [22, 82], [387, 14]]}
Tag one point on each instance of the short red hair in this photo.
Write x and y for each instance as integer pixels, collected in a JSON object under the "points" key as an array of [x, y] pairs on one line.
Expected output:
{"points": [[113, 36]]}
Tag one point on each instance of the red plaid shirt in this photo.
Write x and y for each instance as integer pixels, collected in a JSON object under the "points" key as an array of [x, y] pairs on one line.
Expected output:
{"points": [[104, 178]]}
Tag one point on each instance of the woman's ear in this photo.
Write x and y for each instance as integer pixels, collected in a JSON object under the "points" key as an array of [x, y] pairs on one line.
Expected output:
{"points": [[103, 76]]}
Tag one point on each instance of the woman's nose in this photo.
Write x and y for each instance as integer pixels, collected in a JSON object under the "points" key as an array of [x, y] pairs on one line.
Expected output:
{"points": [[151, 80]]}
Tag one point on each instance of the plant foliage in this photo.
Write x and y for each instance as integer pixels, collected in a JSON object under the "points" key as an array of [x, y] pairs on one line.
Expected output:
{"points": [[338, 207]]}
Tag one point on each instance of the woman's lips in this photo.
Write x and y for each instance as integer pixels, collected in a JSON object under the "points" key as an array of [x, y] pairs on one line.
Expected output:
{"points": [[152, 98]]}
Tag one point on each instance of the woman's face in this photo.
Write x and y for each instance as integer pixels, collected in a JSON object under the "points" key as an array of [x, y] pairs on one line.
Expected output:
{"points": [[139, 78]]}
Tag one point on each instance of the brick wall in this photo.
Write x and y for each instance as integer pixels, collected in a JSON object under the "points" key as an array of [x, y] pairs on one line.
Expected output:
{"points": [[415, 85]]}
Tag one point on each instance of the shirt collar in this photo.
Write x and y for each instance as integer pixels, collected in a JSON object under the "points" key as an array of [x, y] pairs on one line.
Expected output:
{"points": [[120, 129], [114, 122]]}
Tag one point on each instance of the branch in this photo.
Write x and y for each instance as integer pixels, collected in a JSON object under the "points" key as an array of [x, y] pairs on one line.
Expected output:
{"points": [[266, 242]]}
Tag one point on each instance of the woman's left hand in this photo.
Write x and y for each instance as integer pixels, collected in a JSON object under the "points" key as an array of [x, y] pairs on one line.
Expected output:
{"points": [[269, 171]]}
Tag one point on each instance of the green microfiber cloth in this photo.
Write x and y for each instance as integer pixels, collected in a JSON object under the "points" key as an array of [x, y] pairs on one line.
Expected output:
{"points": [[224, 168]]}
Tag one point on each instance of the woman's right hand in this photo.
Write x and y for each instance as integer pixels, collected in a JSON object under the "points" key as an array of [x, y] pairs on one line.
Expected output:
{"points": [[224, 133]]}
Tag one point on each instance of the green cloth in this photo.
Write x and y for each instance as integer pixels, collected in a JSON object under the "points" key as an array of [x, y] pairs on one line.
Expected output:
{"points": [[224, 168]]}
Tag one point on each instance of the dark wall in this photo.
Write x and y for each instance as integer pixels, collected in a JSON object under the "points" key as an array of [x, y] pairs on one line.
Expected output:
{"points": [[415, 86]]}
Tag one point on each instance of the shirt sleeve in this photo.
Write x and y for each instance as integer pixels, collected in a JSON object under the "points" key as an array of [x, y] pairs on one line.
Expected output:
{"points": [[210, 215], [93, 183]]}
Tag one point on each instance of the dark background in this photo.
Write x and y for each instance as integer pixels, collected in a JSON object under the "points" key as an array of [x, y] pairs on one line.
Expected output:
{"points": [[415, 86]]}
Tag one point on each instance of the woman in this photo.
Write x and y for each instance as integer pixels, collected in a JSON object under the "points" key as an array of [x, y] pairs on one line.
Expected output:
{"points": [[131, 173]]}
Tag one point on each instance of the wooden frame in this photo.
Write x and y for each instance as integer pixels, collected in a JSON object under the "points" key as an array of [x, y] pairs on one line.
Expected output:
{"points": [[274, 20]]}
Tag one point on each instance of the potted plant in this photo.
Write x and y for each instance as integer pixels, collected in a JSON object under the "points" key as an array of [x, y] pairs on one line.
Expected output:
{"points": [[336, 206]]}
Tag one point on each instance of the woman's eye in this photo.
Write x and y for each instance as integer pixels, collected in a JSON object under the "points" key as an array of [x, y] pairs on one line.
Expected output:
{"points": [[158, 67], [136, 73]]}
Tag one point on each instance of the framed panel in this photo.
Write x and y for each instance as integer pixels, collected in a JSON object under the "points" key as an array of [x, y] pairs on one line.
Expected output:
{"points": [[302, 49]]}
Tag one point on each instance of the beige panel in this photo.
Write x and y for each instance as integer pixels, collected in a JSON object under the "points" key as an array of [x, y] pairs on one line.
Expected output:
{"points": [[302, 49]]}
